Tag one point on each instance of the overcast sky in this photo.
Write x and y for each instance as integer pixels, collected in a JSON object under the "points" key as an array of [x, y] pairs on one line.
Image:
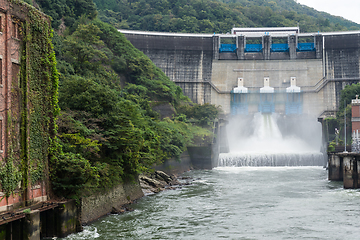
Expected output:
{"points": [[348, 9]]}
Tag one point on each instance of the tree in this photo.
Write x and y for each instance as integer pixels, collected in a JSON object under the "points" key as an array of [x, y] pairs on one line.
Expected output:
{"points": [[82, 48]]}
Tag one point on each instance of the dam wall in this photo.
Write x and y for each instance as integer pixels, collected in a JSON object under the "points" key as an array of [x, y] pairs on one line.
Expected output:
{"points": [[342, 60], [185, 58], [208, 73]]}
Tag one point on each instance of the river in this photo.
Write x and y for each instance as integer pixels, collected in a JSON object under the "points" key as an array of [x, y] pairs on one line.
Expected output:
{"points": [[240, 203]]}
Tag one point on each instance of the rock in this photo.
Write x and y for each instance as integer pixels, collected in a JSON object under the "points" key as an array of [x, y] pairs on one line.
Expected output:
{"points": [[163, 176], [152, 182], [147, 192], [117, 210], [159, 181]]}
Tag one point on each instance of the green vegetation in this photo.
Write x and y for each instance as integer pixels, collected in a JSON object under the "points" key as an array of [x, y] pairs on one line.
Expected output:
{"points": [[309, 19], [67, 11], [107, 133], [208, 16], [347, 94]]}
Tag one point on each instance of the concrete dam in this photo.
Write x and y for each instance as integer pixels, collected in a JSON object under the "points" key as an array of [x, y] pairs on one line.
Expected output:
{"points": [[314, 66], [273, 84]]}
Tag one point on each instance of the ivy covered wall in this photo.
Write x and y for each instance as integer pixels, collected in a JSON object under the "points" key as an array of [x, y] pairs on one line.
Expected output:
{"points": [[33, 105]]}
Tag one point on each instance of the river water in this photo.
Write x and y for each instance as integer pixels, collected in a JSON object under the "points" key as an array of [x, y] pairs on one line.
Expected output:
{"points": [[240, 203]]}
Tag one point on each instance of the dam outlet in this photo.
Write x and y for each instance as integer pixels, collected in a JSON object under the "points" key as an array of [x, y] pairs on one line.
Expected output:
{"points": [[272, 139]]}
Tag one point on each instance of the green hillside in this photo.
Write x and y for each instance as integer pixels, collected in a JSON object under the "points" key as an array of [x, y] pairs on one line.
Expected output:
{"points": [[207, 16], [292, 6], [107, 131]]}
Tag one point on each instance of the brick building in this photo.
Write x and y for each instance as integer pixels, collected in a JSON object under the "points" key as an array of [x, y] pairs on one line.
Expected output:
{"points": [[355, 114], [12, 16]]}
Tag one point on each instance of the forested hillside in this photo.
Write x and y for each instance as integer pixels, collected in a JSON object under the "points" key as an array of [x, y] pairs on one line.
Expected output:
{"points": [[291, 7], [208, 16], [108, 131]]}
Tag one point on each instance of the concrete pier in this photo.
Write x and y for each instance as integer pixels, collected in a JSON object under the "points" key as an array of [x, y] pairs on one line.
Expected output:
{"points": [[345, 167], [32, 225], [41, 221], [67, 218], [335, 168]]}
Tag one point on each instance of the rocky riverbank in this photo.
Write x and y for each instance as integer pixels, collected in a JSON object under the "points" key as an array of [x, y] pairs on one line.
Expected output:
{"points": [[155, 183], [160, 181]]}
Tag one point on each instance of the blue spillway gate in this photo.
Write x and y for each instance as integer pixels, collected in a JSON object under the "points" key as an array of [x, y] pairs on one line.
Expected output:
{"points": [[275, 47], [253, 48], [305, 47], [279, 47], [224, 47]]}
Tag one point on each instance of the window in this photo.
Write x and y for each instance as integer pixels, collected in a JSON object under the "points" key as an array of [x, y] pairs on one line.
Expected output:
{"points": [[1, 72], [15, 69], [15, 30], [1, 136]]}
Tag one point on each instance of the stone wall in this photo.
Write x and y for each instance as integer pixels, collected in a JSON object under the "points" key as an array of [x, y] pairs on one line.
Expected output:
{"points": [[96, 206]]}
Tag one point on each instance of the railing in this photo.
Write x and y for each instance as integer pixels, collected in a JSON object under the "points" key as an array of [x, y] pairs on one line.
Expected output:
{"points": [[253, 48], [224, 47], [305, 47], [279, 47]]}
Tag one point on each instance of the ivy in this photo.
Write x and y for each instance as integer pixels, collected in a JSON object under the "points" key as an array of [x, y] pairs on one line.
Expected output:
{"points": [[33, 129], [9, 177]]}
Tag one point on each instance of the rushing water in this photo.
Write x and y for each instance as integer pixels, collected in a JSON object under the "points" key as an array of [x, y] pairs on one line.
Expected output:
{"points": [[240, 203], [273, 140], [271, 159]]}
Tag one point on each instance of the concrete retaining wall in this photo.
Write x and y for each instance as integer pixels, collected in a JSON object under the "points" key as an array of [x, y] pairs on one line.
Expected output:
{"points": [[176, 166], [96, 206], [204, 157]]}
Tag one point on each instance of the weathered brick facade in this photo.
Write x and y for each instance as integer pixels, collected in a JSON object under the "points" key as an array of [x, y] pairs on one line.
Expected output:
{"points": [[11, 17], [355, 114]]}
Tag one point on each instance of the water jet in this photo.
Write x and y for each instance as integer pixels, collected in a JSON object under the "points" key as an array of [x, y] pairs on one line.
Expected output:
{"points": [[277, 134]]}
